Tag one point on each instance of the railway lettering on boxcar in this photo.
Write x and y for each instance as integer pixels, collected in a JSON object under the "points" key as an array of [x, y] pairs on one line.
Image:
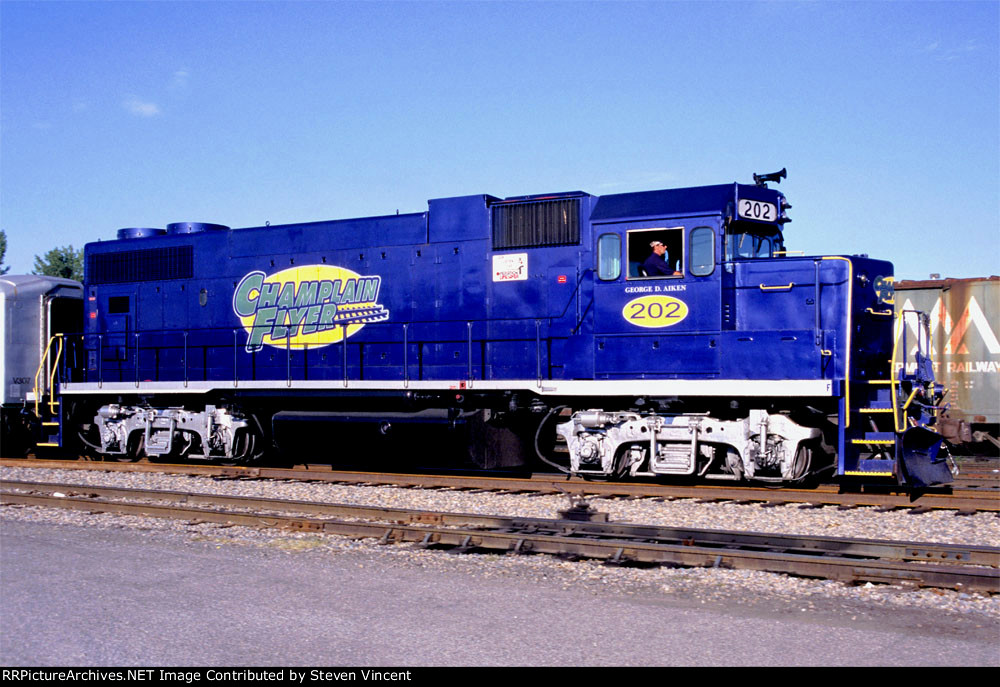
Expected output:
{"points": [[313, 305], [963, 339]]}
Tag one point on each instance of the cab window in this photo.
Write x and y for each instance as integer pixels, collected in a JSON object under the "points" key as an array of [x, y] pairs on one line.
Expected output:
{"points": [[702, 250], [745, 244], [656, 253], [609, 257]]}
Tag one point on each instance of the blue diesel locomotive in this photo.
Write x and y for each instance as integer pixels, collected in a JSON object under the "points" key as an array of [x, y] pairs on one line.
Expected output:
{"points": [[653, 333]]}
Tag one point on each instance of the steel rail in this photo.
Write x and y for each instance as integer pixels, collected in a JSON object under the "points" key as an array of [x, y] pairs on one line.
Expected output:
{"points": [[886, 549], [978, 486], [831, 558], [968, 501], [977, 479]]}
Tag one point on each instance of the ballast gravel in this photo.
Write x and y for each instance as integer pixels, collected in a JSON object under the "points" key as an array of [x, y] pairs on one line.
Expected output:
{"points": [[694, 585], [866, 522]]}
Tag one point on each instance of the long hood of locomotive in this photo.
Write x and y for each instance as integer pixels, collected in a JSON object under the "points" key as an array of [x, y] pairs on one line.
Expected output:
{"points": [[426, 300]]}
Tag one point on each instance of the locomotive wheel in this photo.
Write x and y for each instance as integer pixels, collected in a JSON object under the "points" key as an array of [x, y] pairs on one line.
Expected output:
{"points": [[620, 471], [248, 446], [803, 463], [133, 453], [88, 449]]}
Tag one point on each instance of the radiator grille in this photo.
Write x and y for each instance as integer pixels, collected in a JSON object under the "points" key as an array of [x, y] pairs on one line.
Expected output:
{"points": [[537, 223], [150, 264]]}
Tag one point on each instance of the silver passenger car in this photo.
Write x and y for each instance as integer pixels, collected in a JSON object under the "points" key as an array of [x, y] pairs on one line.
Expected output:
{"points": [[33, 308]]}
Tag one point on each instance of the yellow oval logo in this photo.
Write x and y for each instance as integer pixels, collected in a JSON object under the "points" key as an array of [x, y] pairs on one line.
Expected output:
{"points": [[311, 305], [655, 311]]}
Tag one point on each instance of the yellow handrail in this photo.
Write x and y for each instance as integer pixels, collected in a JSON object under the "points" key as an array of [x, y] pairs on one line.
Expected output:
{"points": [[899, 420], [41, 364], [901, 322], [52, 377]]}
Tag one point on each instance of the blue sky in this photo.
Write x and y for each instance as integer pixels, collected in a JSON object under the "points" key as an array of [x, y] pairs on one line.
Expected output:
{"points": [[121, 114]]}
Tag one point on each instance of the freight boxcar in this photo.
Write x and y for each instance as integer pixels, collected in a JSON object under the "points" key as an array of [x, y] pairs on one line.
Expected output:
{"points": [[964, 319]]}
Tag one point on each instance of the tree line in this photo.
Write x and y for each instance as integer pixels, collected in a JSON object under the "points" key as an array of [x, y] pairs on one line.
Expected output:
{"points": [[65, 261]]}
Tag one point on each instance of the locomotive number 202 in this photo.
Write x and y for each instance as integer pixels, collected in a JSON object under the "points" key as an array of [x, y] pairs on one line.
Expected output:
{"points": [[755, 209], [654, 312]]}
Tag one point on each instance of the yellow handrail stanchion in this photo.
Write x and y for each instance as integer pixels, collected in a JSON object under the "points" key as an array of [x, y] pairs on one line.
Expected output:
{"points": [[892, 372], [52, 377], [41, 364]]}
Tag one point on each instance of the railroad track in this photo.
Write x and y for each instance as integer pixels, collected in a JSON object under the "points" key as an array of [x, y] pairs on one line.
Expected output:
{"points": [[981, 498], [962, 567], [975, 471], [977, 484]]}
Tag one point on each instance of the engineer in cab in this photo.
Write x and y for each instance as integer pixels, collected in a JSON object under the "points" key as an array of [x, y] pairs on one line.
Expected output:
{"points": [[656, 264]]}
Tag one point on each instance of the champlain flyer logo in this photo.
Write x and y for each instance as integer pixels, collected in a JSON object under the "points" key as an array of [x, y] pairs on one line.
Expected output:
{"points": [[311, 305]]}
